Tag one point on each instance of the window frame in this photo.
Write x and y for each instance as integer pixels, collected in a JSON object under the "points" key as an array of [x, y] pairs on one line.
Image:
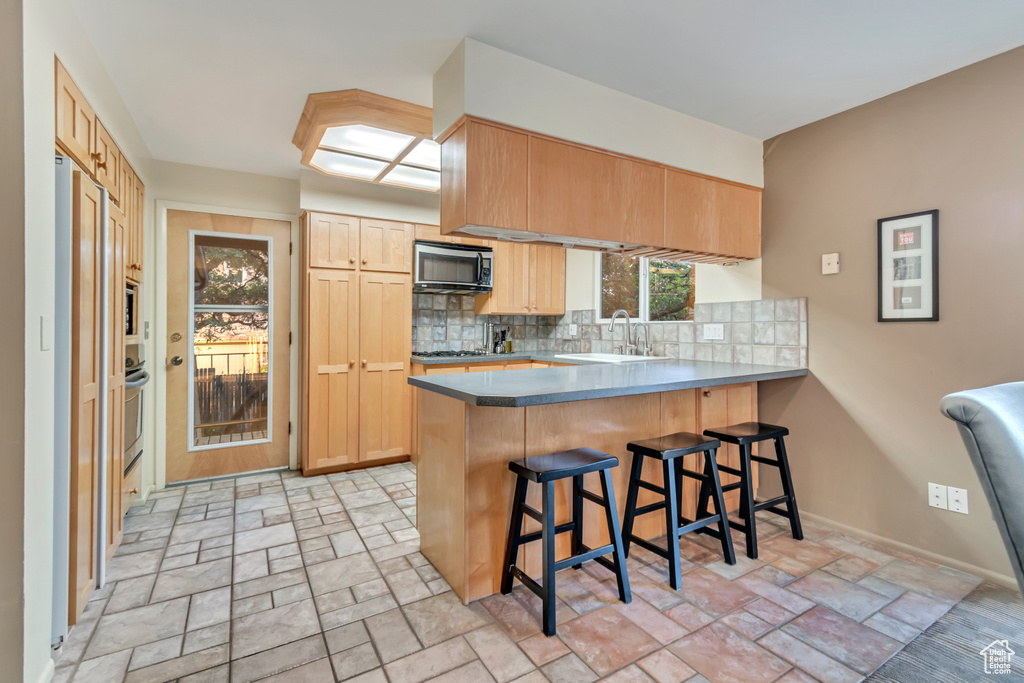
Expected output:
{"points": [[645, 293]]}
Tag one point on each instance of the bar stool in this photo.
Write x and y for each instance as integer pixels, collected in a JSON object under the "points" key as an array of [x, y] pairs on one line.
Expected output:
{"points": [[546, 470], [745, 435], [670, 451]]}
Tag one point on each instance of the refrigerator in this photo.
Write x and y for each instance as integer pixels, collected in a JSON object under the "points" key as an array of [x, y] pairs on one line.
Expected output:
{"points": [[65, 205]]}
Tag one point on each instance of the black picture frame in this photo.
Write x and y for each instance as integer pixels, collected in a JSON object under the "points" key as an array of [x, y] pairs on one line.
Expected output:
{"points": [[908, 267]]}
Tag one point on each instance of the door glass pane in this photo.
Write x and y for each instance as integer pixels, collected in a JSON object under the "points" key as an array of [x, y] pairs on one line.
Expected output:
{"points": [[671, 290], [231, 349], [620, 285]]}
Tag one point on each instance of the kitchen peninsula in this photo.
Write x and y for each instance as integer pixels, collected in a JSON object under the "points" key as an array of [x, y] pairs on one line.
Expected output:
{"points": [[470, 425]]}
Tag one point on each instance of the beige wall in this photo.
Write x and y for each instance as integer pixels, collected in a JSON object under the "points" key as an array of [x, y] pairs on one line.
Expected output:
{"points": [[12, 339], [867, 433]]}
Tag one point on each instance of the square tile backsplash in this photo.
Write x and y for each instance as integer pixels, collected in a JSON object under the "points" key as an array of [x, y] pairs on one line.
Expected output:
{"points": [[766, 332]]}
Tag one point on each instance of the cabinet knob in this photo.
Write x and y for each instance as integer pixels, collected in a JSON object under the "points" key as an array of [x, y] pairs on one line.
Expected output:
{"points": [[351, 363], [134, 490], [364, 362], [365, 261], [707, 392], [353, 260]]}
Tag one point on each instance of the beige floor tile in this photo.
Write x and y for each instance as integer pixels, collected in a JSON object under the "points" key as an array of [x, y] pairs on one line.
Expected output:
{"points": [[103, 669], [264, 630], [430, 662], [355, 661], [138, 626], [266, 537], [195, 579], [182, 666], [278, 659], [665, 667], [391, 635], [441, 617], [503, 659], [342, 573]]}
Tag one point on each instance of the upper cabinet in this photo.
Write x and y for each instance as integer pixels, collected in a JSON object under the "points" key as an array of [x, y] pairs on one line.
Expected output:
{"points": [[76, 121], [713, 216], [529, 279], [385, 246], [107, 162], [506, 180], [332, 241]]}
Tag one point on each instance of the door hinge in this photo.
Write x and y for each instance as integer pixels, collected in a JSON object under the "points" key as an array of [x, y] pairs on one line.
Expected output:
{"points": [[289, 339], [289, 248], [289, 427]]}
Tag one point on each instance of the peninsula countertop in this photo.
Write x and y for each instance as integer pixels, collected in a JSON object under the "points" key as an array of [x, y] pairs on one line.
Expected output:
{"points": [[543, 356], [584, 382]]}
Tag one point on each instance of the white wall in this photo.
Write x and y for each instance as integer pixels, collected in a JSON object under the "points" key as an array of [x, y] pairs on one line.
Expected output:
{"points": [[318, 192], [500, 86], [50, 26]]}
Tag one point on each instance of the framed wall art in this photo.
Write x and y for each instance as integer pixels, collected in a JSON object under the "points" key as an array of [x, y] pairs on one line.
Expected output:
{"points": [[908, 267]]}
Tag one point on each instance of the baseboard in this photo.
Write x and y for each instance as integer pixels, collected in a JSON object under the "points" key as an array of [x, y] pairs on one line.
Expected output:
{"points": [[148, 490], [987, 574], [48, 671]]}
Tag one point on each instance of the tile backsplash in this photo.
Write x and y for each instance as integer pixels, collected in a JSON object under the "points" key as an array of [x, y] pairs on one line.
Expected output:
{"points": [[769, 331]]}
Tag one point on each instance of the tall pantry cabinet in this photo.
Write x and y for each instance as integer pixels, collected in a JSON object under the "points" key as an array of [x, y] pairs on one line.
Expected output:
{"points": [[356, 342]]}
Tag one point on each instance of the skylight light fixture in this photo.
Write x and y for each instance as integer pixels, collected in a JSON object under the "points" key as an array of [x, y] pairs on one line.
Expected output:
{"points": [[356, 134]]}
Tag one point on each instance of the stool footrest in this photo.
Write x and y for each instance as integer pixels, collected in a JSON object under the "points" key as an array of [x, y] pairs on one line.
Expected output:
{"points": [[537, 535], [651, 487], [694, 525], [589, 554], [764, 505], [731, 487], [527, 581], [592, 497], [532, 512], [765, 461], [653, 507], [729, 470]]}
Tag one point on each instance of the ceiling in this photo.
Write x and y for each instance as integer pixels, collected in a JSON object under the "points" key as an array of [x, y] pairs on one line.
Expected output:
{"points": [[222, 83]]}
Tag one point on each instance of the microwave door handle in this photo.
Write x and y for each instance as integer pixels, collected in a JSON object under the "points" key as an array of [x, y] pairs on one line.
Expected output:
{"points": [[137, 383], [479, 267]]}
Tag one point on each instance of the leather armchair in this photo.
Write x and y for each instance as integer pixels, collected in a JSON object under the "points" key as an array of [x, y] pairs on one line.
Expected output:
{"points": [[991, 423]]}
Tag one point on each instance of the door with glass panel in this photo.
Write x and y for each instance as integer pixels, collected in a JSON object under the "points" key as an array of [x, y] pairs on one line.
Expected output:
{"points": [[227, 344]]}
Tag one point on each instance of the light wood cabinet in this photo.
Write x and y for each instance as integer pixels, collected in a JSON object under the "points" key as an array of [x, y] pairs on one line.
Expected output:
{"points": [[484, 177], [713, 216], [332, 241], [723, 406], [498, 176], [330, 430], [117, 232], [529, 279], [433, 233], [107, 162], [86, 326], [135, 227], [76, 121], [385, 344], [385, 246]]}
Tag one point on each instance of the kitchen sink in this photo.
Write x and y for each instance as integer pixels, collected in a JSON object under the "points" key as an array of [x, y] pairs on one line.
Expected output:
{"points": [[608, 357]]}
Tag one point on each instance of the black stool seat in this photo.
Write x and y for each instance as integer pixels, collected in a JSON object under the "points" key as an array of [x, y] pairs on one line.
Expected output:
{"points": [[747, 432], [571, 463], [672, 446], [745, 435], [670, 450], [546, 470]]}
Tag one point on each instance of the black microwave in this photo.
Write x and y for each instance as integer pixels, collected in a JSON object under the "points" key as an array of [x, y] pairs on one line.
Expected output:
{"points": [[132, 304], [446, 268]]}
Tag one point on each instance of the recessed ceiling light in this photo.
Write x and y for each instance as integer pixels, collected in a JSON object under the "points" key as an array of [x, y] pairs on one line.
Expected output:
{"points": [[420, 178], [366, 140], [346, 164], [426, 154]]}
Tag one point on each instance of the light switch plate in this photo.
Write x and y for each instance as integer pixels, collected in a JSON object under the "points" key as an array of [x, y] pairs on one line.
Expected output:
{"points": [[958, 500], [830, 264], [937, 496], [714, 331], [573, 330]]}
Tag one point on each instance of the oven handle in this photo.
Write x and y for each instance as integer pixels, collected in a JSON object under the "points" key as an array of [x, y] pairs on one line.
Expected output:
{"points": [[143, 377]]}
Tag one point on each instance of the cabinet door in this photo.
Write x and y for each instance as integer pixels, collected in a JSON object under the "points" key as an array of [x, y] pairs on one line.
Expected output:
{"points": [[511, 280], [584, 193], [330, 434], [708, 215], [724, 406], [385, 344], [444, 369], [107, 162], [138, 208], [385, 246], [332, 241], [76, 121], [547, 280], [117, 233], [86, 328]]}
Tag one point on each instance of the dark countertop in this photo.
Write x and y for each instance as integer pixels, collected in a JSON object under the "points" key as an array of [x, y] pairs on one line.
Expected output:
{"points": [[543, 356], [514, 389]]}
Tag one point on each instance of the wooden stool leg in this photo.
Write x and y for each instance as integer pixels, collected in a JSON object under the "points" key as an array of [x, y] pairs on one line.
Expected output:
{"points": [[635, 472], [711, 470], [515, 530], [671, 523], [747, 501], [577, 518], [619, 554], [787, 489], [548, 557]]}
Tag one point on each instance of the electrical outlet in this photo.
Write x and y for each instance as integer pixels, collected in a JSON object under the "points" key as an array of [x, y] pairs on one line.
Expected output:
{"points": [[829, 264], [573, 330], [958, 500], [937, 496], [714, 331]]}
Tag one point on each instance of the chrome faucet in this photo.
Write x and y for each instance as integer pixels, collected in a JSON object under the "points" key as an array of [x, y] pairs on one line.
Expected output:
{"points": [[611, 327], [638, 349]]}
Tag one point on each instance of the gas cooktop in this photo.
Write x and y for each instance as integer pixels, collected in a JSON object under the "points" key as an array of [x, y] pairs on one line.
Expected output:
{"points": [[449, 354]]}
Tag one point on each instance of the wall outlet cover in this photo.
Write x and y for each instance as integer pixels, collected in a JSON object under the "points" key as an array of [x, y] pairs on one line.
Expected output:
{"points": [[830, 264], [714, 331], [573, 330], [937, 496], [958, 500]]}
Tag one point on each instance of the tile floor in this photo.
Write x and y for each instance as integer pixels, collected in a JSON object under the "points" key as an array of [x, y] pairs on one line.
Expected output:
{"points": [[274, 577]]}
